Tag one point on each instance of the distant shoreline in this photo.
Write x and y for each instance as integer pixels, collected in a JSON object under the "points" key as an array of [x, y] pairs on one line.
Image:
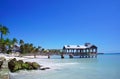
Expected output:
{"points": [[107, 53]]}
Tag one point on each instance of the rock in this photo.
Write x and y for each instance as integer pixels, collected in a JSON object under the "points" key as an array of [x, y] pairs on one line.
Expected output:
{"points": [[28, 65], [25, 66], [35, 65], [14, 59], [44, 68], [15, 65], [20, 62], [1, 63], [47, 68], [11, 65]]}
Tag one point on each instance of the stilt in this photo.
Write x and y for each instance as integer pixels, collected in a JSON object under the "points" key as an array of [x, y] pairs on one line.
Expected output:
{"points": [[62, 56], [92, 55], [95, 56], [71, 56], [88, 56], [48, 56], [80, 56]]}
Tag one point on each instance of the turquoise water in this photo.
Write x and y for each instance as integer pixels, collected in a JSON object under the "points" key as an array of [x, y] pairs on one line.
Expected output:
{"points": [[102, 67]]}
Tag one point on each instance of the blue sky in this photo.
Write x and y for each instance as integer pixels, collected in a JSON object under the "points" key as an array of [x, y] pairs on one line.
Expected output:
{"points": [[54, 23]]}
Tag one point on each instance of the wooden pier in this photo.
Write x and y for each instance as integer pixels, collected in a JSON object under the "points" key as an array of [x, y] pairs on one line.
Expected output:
{"points": [[84, 51]]}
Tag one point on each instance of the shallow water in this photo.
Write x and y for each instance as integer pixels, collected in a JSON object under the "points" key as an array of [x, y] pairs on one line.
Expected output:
{"points": [[102, 67]]}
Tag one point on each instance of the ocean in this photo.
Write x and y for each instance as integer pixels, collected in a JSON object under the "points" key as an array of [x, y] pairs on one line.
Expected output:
{"points": [[106, 66]]}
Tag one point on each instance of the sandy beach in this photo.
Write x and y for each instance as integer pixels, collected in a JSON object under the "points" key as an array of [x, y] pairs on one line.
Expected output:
{"points": [[11, 56]]}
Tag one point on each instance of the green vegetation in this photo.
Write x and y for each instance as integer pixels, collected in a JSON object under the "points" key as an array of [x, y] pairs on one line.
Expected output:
{"points": [[3, 30], [29, 48], [8, 46]]}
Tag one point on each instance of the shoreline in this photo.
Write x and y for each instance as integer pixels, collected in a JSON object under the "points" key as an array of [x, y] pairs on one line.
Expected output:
{"points": [[7, 57], [4, 71]]}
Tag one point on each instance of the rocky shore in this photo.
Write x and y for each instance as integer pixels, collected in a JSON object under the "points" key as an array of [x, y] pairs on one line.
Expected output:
{"points": [[13, 64]]}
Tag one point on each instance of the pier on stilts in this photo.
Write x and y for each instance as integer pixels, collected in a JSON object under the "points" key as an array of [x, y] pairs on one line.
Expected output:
{"points": [[83, 51]]}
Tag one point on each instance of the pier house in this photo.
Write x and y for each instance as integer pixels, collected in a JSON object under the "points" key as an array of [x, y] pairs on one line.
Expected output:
{"points": [[84, 51]]}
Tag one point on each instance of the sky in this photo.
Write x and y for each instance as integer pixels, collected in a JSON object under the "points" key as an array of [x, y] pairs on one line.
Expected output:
{"points": [[54, 23]]}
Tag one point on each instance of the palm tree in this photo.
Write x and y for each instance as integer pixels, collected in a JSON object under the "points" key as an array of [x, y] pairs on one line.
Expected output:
{"points": [[21, 42], [35, 51], [39, 47], [30, 48], [26, 47], [3, 30], [7, 44], [14, 41], [2, 45], [22, 50]]}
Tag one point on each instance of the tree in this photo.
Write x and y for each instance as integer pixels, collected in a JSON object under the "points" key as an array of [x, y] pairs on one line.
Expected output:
{"points": [[3, 30], [22, 49], [21, 42], [26, 47], [30, 47], [7, 44], [35, 50], [39, 47], [2, 45], [14, 41]]}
